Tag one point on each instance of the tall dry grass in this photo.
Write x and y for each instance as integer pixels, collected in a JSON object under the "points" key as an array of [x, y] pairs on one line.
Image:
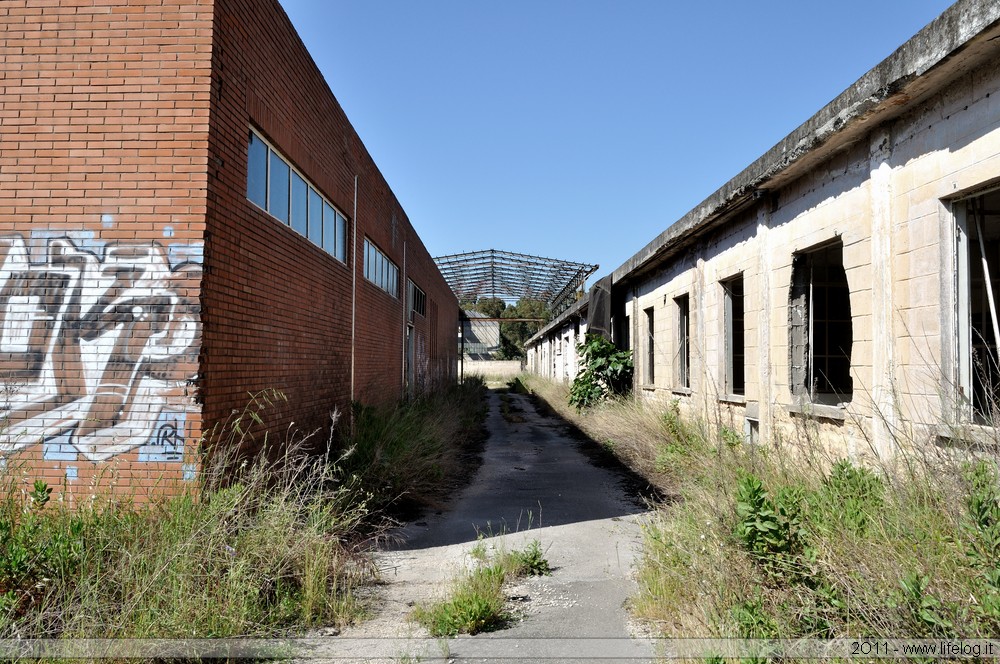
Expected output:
{"points": [[270, 543], [763, 543]]}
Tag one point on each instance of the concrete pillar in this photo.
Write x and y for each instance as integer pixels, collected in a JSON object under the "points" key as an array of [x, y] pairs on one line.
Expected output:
{"points": [[765, 386], [883, 341]]}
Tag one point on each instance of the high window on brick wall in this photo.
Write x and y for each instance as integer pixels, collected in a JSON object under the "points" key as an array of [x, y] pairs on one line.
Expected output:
{"points": [[820, 329], [417, 298], [735, 357], [978, 302], [275, 186], [380, 270]]}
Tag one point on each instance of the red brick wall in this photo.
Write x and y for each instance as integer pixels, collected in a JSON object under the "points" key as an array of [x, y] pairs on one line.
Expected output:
{"points": [[103, 147], [142, 297], [278, 310]]}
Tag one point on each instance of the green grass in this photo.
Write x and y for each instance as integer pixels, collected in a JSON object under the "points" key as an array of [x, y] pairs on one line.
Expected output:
{"points": [[269, 544], [476, 602], [765, 543]]}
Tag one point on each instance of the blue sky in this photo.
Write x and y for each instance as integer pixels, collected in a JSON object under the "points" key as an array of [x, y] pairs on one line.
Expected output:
{"points": [[580, 129]]}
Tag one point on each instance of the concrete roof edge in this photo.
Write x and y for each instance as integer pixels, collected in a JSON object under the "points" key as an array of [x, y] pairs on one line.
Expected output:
{"points": [[935, 43]]}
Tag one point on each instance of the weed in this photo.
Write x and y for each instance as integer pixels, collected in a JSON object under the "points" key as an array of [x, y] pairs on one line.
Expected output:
{"points": [[475, 605], [771, 529], [407, 454], [730, 437], [509, 410], [851, 498], [927, 617], [528, 562], [476, 602]]}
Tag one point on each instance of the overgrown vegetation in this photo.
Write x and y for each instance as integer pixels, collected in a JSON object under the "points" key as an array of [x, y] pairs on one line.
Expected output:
{"points": [[607, 371], [412, 455], [269, 544], [760, 544], [476, 602]]}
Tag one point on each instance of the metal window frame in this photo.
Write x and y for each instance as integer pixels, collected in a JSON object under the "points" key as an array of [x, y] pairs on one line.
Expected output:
{"points": [[309, 187]]}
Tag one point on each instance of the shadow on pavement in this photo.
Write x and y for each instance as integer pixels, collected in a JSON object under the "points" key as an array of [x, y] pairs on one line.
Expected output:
{"points": [[537, 471]]}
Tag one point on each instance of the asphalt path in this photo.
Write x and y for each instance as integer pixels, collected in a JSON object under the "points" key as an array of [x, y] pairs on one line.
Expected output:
{"points": [[539, 480]]}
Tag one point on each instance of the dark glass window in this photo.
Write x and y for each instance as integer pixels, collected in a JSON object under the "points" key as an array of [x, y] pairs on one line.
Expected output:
{"points": [[330, 230], [257, 171], [278, 188], [316, 204], [300, 204]]}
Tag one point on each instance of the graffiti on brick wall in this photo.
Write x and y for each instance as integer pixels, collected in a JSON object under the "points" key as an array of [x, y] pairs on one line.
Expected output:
{"points": [[98, 347]]}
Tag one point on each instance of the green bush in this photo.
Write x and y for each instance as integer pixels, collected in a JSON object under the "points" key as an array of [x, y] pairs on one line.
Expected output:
{"points": [[606, 371], [771, 529]]}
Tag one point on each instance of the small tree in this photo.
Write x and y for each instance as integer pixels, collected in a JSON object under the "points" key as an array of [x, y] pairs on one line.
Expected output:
{"points": [[606, 371]]}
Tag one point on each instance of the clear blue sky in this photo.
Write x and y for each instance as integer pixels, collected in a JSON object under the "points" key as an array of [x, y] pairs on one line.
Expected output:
{"points": [[580, 129]]}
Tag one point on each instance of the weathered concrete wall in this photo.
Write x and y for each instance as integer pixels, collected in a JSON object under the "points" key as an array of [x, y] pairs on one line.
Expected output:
{"points": [[888, 199], [884, 173], [492, 368], [552, 351]]}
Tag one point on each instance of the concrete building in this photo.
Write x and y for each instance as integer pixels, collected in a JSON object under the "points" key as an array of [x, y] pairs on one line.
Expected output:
{"points": [[847, 278], [188, 217]]}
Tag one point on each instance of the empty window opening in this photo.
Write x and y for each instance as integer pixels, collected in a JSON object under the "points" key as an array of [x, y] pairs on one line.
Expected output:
{"points": [[380, 270], [735, 336], [821, 332], [417, 298], [650, 348], [682, 359], [978, 272]]}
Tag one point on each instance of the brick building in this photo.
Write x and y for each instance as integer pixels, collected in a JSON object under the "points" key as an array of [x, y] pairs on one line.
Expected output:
{"points": [[844, 285], [187, 216]]}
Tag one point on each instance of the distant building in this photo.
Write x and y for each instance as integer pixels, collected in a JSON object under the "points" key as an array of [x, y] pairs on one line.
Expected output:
{"points": [[846, 279], [187, 217], [482, 337]]}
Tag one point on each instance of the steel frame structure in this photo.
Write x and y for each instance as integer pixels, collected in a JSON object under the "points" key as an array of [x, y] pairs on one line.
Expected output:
{"points": [[509, 276]]}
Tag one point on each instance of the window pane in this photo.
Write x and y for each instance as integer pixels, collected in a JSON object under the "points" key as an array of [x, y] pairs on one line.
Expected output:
{"points": [[315, 216], [257, 171], [341, 251], [329, 226], [278, 188], [300, 201]]}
